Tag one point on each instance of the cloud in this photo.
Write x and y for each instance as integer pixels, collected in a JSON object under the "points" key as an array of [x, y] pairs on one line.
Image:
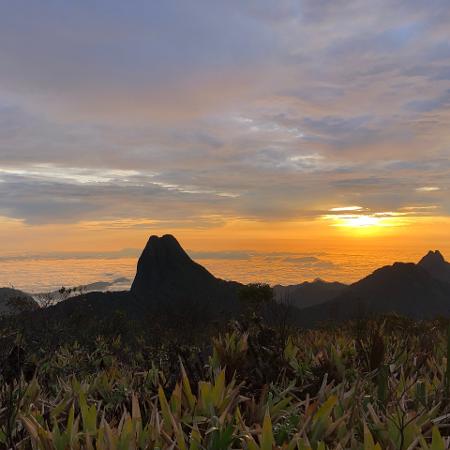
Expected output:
{"points": [[431, 104], [346, 208], [225, 255], [164, 60], [309, 262], [64, 197], [175, 113], [119, 254]]}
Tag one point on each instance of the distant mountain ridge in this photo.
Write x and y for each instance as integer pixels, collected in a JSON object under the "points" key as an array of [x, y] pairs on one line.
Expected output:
{"points": [[168, 281], [406, 289], [308, 293], [64, 293], [166, 274]]}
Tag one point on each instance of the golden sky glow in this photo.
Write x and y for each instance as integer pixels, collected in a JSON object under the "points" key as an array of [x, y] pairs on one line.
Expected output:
{"points": [[241, 249], [339, 230]]}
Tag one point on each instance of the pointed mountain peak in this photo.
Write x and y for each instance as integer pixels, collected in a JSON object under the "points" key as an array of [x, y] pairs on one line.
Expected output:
{"points": [[166, 273], [435, 264], [318, 280], [162, 257], [432, 257]]}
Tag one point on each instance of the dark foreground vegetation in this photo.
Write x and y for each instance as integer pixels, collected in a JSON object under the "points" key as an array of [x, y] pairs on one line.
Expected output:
{"points": [[250, 383]]}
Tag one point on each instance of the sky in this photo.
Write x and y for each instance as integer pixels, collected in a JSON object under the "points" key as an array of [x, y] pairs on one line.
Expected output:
{"points": [[236, 126]]}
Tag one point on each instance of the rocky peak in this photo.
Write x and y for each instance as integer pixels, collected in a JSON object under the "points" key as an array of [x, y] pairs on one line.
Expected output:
{"points": [[167, 275], [432, 257], [435, 264]]}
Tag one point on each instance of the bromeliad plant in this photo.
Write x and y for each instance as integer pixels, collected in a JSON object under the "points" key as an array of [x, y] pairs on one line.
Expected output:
{"points": [[329, 393]]}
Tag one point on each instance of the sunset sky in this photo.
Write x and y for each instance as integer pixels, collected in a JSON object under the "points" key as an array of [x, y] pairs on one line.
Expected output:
{"points": [[235, 125]]}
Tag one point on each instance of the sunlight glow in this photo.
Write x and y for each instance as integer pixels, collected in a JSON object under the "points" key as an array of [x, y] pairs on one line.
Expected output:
{"points": [[359, 219], [428, 189]]}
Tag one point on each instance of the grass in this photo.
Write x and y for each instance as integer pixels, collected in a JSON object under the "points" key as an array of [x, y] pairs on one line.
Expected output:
{"points": [[380, 384]]}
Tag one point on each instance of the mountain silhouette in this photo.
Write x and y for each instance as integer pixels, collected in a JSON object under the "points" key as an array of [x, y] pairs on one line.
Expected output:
{"points": [[435, 264], [168, 283], [403, 288], [308, 293], [167, 277]]}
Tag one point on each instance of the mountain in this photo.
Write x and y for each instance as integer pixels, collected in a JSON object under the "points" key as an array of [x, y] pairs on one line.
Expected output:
{"points": [[308, 293], [170, 292], [13, 301], [168, 283], [403, 288], [167, 277], [435, 264], [169, 288], [117, 284]]}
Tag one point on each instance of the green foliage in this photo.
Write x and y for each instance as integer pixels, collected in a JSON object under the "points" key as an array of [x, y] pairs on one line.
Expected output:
{"points": [[325, 389]]}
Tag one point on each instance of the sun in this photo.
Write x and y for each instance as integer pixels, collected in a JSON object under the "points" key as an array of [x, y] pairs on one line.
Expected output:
{"points": [[363, 225], [359, 221]]}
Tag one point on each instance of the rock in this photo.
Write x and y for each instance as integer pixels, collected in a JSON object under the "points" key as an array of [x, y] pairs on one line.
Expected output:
{"points": [[167, 276], [435, 264]]}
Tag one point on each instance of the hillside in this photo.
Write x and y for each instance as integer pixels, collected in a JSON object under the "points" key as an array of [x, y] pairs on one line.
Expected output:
{"points": [[13, 301], [402, 288]]}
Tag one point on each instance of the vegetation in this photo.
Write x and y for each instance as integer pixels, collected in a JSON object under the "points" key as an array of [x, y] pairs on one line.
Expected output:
{"points": [[381, 384]]}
